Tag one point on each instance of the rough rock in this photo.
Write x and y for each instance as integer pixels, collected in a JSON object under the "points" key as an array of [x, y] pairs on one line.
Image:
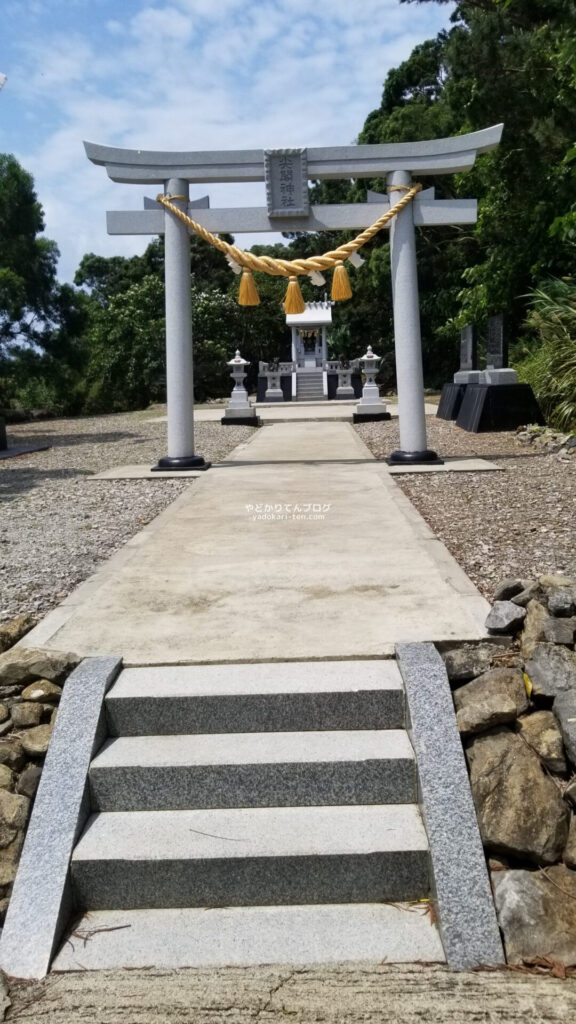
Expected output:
{"points": [[12, 752], [13, 631], [520, 810], [35, 741], [537, 913], [6, 777], [550, 582], [542, 732], [494, 686], [534, 623], [14, 809], [23, 665], [505, 618], [569, 855], [508, 588], [560, 631], [564, 708], [8, 834], [28, 782], [4, 713], [469, 660], [561, 601], [42, 690], [480, 715], [570, 792], [551, 670], [26, 715], [531, 593], [5, 1001], [7, 872]]}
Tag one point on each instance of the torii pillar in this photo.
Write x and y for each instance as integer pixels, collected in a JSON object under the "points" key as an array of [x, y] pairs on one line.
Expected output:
{"points": [[286, 173]]}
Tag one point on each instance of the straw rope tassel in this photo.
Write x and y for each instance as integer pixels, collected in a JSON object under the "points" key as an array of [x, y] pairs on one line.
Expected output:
{"points": [[340, 284], [248, 292], [294, 303]]}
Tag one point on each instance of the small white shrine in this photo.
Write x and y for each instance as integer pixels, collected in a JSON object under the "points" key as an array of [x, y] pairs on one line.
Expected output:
{"points": [[309, 349]]}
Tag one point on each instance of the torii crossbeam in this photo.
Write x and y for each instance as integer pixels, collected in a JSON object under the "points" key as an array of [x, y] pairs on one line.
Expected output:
{"points": [[286, 173]]}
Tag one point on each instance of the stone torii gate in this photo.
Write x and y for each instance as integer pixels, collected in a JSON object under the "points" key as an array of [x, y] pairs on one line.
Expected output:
{"points": [[286, 173]]}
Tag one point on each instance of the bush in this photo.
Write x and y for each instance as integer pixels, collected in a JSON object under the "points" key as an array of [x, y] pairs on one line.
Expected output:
{"points": [[551, 368]]}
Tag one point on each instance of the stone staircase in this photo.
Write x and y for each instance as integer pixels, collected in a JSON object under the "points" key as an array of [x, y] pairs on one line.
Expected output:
{"points": [[309, 386], [280, 796]]}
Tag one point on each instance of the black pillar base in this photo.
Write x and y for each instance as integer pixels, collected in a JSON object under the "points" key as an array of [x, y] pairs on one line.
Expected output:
{"points": [[179, 464], [241, 421], [400, 458], [370, 417], [450, 401]]}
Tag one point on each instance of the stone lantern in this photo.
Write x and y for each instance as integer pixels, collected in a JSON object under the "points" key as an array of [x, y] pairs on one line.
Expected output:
{"points": [[239, 410], [370, 406]]}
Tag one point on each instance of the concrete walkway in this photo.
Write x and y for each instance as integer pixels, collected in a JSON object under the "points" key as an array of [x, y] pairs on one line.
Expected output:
{"points": [[301, 546], [289, 412]]}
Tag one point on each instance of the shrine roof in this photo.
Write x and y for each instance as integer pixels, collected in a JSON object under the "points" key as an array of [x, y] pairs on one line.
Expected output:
{"points": [[315, 314]]}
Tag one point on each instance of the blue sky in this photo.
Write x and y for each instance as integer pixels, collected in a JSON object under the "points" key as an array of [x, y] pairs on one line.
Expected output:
{"points": [[185, 75]]}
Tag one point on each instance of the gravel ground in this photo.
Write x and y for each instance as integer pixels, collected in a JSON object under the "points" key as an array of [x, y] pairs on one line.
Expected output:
{"points": [[520, 522], [56, 525]]}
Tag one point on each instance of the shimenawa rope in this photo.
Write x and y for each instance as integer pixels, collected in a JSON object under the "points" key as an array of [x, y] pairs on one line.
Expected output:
{"points": [[249, 262]]}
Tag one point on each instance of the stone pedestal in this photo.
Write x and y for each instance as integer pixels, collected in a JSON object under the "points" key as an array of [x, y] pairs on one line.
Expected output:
{"points": [[274, 391], [450, 401], [345, 389], [487, 407]]}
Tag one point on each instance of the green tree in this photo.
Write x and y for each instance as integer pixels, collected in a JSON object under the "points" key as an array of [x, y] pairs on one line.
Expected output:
{"points": [[27, 261]]}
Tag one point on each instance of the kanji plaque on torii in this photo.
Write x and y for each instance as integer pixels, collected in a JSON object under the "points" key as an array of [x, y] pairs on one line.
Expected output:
{"points": [[288, 210]]}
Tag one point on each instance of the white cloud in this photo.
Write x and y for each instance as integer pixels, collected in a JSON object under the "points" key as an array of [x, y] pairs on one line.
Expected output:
{"points": [[186, 75]]}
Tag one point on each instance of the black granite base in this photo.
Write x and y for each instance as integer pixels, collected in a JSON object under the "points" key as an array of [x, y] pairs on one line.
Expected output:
{"points": [[428, 457], [488, 407], [241, 421], [450, 401], [370, 417], [176, 465]]}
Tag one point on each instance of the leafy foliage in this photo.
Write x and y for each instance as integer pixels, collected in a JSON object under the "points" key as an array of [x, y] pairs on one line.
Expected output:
{"points": [[551, 368]]}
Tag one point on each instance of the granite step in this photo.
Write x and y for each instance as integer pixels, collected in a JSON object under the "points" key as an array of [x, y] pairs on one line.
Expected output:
{"points": [[247, 936], [251, 857], [264, 697], [253, 770]]}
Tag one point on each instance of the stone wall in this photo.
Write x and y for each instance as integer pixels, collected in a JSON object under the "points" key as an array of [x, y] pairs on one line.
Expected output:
{"points": [[515, 702]]}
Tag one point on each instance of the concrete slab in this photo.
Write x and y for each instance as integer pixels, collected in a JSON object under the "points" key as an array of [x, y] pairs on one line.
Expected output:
{"points": [[299, 546], [239, 832], [290, 412], [288, 769], [293, 697], [42, 901], [249, 856], [244, 936], [450, 465], [141, 472], [462, 885]]}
